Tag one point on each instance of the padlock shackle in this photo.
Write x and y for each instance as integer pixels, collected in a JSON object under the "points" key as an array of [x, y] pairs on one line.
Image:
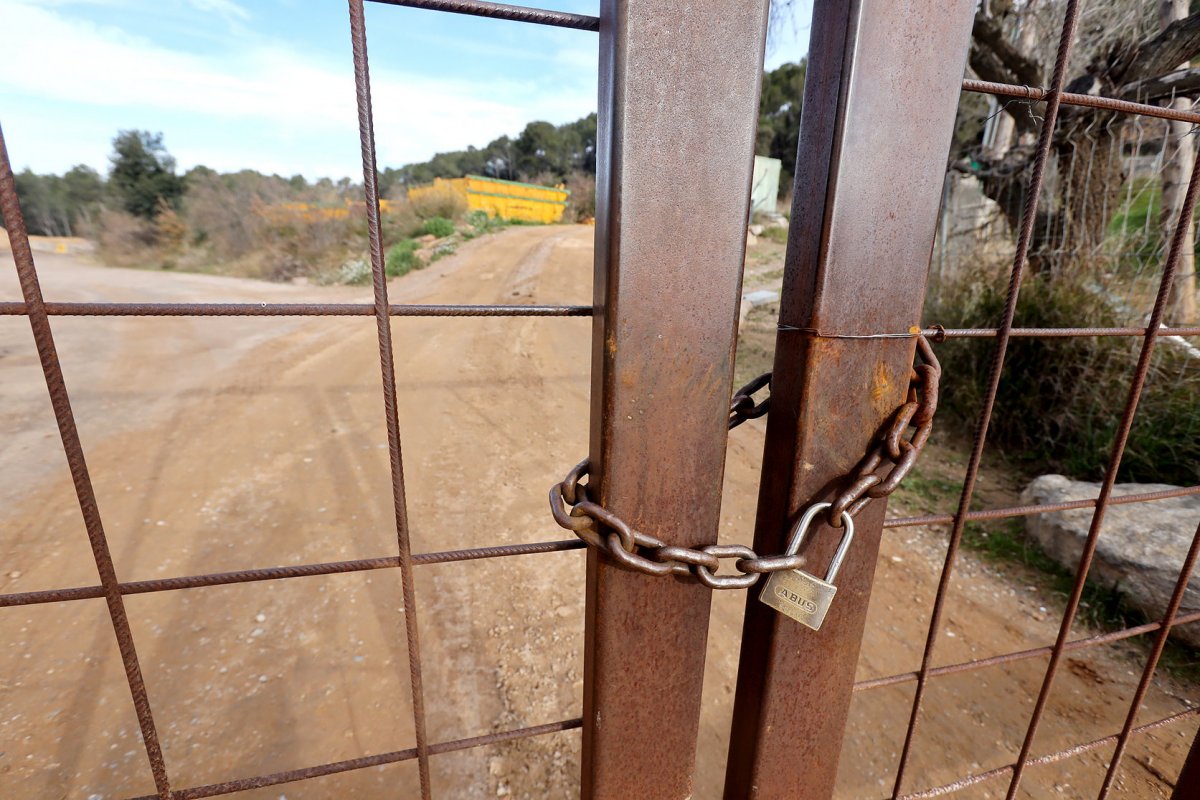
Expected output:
{"points": [[801, 530]]}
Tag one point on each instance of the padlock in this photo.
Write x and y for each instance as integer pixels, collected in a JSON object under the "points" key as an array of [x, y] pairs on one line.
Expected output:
{"points": [[796, 594]]}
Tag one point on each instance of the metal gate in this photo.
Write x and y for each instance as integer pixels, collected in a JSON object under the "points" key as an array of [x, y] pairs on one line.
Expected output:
{"points": [[678, 98]]}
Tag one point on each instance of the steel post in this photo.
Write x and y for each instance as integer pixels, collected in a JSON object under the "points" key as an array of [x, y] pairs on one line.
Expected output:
{"points": [[856, 264], [678, 109], [1187, 787]]}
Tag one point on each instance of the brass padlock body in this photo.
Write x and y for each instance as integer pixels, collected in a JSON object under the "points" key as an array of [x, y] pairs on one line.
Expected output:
{"points": [[797, 594]]}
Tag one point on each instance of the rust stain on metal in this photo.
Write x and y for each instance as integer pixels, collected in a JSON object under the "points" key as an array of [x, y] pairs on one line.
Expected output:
{"points": [[882, 387], [794, 685]]}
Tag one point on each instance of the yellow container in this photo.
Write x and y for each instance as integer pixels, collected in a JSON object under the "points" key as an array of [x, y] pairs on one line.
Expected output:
{"points": [[526, 202]]}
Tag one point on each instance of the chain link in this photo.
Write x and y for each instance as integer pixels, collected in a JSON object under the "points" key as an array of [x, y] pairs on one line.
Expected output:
{"points": [[877, 475], [742, 407]]}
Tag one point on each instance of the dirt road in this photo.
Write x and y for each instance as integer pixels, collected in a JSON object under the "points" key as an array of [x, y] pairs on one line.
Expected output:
{"points": [[219, 444]]}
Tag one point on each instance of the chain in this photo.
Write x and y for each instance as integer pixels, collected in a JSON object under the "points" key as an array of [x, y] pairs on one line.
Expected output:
{"points": [[742, 407], [872, 478]]}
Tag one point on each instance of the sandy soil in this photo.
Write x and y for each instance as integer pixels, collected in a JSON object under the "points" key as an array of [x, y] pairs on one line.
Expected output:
{"points": [[218, 444]]}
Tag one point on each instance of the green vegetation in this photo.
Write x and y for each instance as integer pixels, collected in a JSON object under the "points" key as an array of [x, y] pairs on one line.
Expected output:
{"points": [[481, 222], [1135, 232], [775, 233], [439, 227], [356, 272], [443, 202], [779, 107], [1141, 211], [142, 174], [1061, 399], [403, 258], [1003, 544], [141, 182], [547, 154], [60, 206], [541, 149], [442, 250]]}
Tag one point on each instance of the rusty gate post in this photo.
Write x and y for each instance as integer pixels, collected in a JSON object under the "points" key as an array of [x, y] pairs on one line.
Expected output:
{"points": [[1187, 785], [678, 111], [879, 103]]}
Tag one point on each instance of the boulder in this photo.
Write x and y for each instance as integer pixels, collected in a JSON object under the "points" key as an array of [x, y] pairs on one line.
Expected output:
{"points": [[1141, 548], [762, 297]]}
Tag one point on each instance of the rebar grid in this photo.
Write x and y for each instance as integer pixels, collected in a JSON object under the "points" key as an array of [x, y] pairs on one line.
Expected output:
{"points": [[65, 418], [502, 551], [1054, 98], [332, 768], [1050, 758], [387, 363], [112, 590], [292, 310]]}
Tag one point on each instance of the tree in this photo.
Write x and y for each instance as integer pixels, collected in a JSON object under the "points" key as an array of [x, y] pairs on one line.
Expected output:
{"points": [[779, 107], [37, 204], [540, 149], [1179, 158], [1128, 56], [142, 173], [82, 187], [543, 149], [54, 205]]}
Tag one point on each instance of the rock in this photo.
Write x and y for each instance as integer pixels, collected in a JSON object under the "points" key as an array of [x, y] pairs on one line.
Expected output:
{"points": [[763, 297], [757, 230], [1141, 548], [751, 239]]}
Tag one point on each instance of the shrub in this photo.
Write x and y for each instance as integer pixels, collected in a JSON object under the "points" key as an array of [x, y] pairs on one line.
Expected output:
{"points": [[125, 240], [439, 227], [440, 201], [403, 258], [581, 205], [479, 223], [400, 220], [170, 233], [776, 233], [355, 271], [304, 243], [441, 251], [1060, 399]]}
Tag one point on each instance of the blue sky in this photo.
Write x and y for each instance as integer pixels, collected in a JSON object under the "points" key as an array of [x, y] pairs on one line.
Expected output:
{"points": [[268, 84]]}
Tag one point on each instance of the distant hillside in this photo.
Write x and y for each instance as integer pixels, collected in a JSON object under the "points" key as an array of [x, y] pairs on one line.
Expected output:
{"points": [[542, 153], [546, 153]]}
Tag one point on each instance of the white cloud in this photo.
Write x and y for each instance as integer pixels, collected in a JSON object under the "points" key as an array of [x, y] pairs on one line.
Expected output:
{"points": [[271, 94], [226, 9]]}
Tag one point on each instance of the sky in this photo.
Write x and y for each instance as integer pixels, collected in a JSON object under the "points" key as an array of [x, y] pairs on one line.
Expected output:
{"points": [[268, 84]]}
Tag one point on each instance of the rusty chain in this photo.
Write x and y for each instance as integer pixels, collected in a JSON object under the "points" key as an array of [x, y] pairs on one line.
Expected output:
{"points": [[600, 528], [742, 407]]}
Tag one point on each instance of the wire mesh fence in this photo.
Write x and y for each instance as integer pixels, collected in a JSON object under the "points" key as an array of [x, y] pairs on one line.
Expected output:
{"points": [[1135, 153], [38, 312], [1083, 170]]}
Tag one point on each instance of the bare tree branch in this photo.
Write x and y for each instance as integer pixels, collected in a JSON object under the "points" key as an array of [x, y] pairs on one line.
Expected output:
{"points": [[1181, 83], [991, 44], [1177, 44]]}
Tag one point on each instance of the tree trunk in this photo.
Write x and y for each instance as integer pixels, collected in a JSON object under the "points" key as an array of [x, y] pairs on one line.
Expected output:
{"points": [[1003, 132], [1087, 191], [1179, 157]]}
